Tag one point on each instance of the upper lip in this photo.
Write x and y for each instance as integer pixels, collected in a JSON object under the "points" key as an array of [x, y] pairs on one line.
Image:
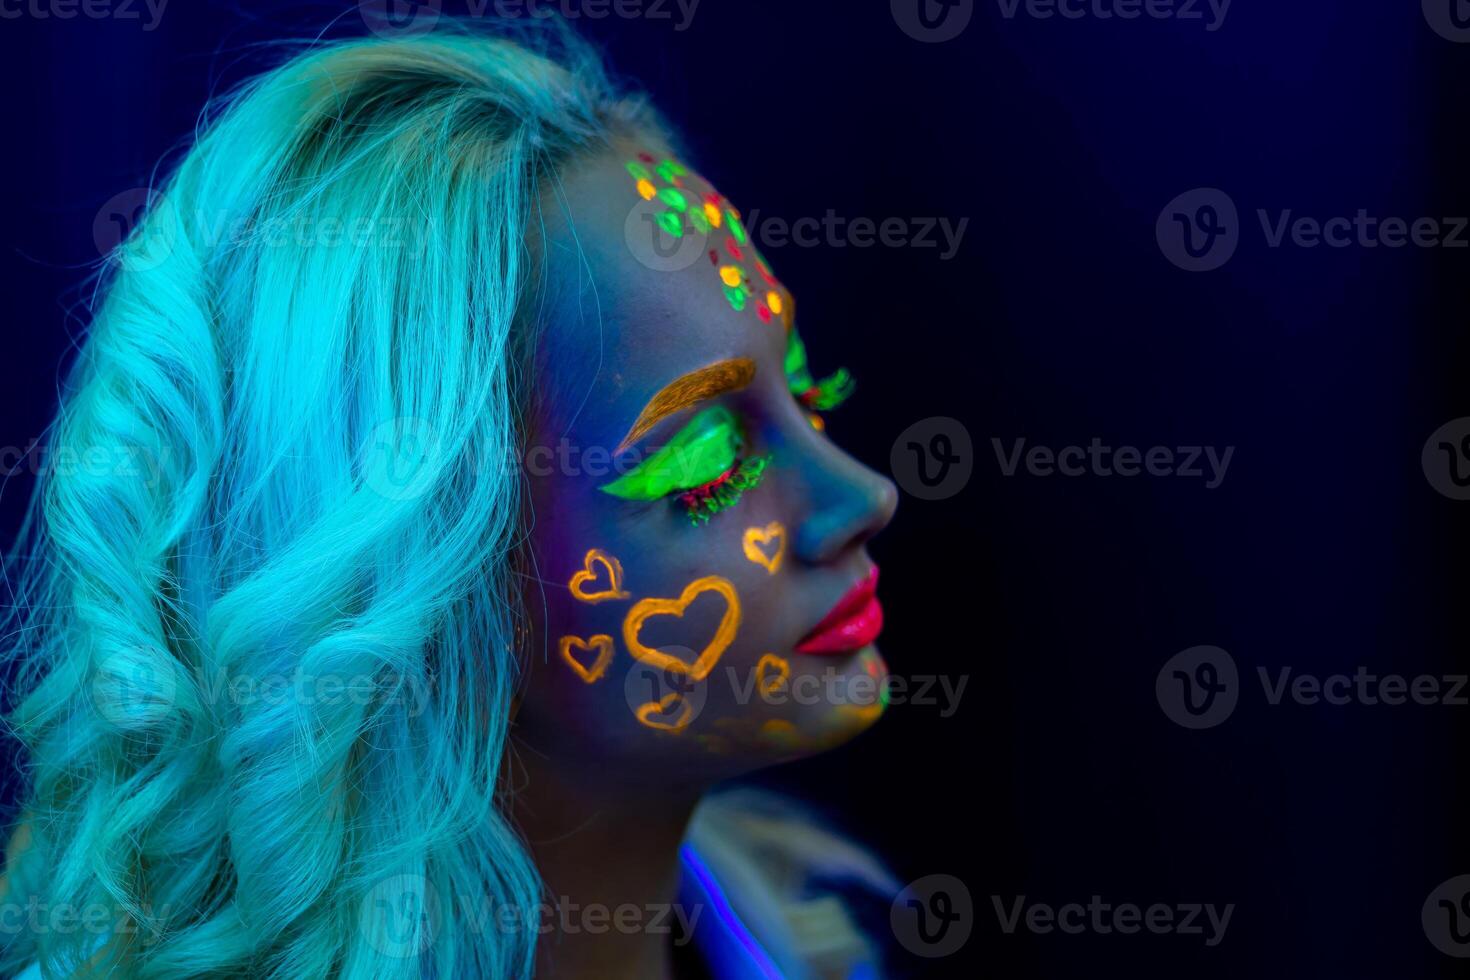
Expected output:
{"points": [[853, 623]]}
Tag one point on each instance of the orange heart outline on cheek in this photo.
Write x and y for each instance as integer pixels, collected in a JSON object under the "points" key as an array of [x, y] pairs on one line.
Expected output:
{"points": [[604, 645], [646, 712], [757, 536], [614, 576], [767, 664], [711, 654]]}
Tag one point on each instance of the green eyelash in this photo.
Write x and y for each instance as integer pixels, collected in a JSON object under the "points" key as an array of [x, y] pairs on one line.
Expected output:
{"points": [[819, 396], [701, 466], [724, 492]]}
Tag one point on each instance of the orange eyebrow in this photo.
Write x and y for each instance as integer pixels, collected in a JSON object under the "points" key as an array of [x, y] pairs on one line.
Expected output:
{"points": [[692, 388]]}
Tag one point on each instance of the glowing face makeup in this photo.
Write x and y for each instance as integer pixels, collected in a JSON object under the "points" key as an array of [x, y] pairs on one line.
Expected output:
{"points": [[765, 546], [710, 214], [693, 388], [664, 652], [573, 650], [819, 396], [703, 465], [771, 672], [592, 566], [724, 632]]}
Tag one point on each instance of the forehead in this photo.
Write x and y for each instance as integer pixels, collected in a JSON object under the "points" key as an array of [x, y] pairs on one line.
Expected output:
{"points": [[628, 306]]}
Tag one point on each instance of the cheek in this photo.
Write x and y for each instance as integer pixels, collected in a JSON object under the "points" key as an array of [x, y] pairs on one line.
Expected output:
{"points": [[657, 638]]}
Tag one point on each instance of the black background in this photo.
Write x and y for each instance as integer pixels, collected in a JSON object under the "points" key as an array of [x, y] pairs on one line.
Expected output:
{"points": [[1060, 320]]}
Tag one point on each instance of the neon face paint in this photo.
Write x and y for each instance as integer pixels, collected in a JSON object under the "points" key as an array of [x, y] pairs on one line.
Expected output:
{"points": [[771, 673], [704, 215], [587, 586], [718, 378], [701, 452], [705, 662], [670, 713], [766, 546], [573, 649], [822, 395]]}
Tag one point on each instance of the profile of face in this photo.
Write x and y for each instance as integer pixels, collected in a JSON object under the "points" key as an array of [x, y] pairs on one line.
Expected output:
{"points": [[701, 599]]}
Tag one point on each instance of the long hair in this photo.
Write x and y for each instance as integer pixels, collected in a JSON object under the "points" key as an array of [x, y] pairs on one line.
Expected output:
{"points": [[265, 614]]}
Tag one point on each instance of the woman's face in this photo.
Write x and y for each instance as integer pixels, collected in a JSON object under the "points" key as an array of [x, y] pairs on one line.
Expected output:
{"points": [[700, 593]]}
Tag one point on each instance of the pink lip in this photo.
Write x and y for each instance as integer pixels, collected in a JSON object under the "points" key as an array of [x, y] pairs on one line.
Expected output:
{"points": [[853, 623]]}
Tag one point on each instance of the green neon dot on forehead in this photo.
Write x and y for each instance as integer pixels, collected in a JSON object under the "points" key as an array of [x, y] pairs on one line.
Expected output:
{"points": [[669, 222], [699, 221], [670, 169], [674, 198], [638, 170], [736, 296], [736, 228]]}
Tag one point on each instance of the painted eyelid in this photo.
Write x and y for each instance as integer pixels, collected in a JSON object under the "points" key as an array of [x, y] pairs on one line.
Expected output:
{"points": [[705, 449]]}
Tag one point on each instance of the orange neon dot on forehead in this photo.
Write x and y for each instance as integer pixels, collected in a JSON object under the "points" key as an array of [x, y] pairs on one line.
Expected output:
{"points": [[646, 190], [774, 301], [730, 275], [713, 214]]}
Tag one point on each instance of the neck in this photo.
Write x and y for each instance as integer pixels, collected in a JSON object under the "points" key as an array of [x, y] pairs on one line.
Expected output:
{"points": [[608, 853]]}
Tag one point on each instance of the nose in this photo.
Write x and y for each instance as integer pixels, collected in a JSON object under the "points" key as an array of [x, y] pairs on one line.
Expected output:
{"points": [[847, 503]]}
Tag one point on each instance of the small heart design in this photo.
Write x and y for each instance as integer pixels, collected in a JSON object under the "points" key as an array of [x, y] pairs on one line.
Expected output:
{"points": [[724, 633], [614, 589], [646, 713], [771, 672], [766, 546], [604, 646]]}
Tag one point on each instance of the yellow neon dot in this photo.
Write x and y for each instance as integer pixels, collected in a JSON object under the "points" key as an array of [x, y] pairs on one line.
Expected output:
{"points": [[817, 422], [773, 300], [713, 214], [646, 190], [730, 275]]}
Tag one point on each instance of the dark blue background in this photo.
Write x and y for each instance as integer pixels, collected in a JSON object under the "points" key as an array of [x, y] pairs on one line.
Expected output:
{"points": [[1060, 320]]}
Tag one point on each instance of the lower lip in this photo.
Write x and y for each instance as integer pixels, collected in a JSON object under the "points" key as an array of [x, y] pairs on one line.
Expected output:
{"points": [[853, 633]]}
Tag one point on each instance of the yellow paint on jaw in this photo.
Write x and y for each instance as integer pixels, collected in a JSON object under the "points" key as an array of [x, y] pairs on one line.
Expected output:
{"points": [[656, 714], [771, 673]]}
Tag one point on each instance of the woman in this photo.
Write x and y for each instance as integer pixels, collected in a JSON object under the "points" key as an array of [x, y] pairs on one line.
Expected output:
{"points": [[465, 517]]}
